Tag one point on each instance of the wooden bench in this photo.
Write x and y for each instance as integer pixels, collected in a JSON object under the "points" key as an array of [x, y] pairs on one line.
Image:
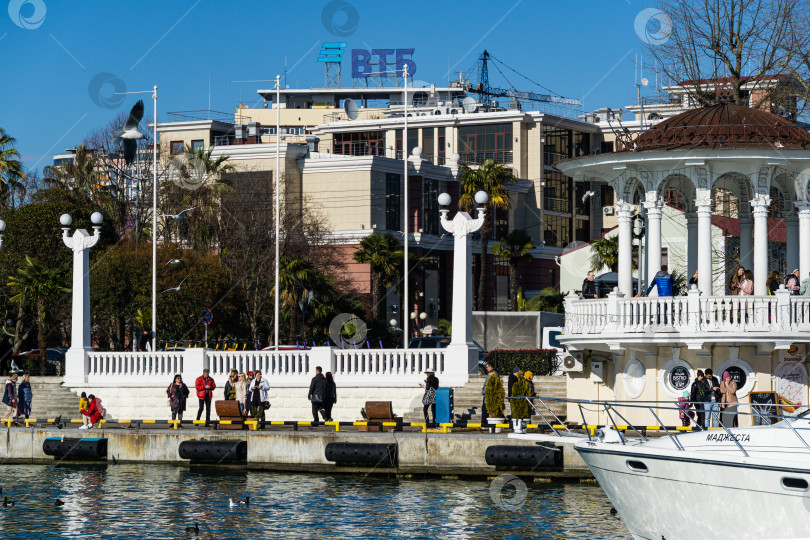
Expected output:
{"points": [[228, 409], [380, 411]]}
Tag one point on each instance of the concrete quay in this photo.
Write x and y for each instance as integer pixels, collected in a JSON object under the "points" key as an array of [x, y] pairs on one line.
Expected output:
{"points": [[418, 454]]}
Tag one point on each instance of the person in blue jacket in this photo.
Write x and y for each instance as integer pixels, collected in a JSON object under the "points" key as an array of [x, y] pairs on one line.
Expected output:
{"points": [[663, 280]]}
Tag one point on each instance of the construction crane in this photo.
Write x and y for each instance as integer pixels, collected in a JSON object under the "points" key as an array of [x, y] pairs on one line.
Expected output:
{"points": [[486, 91]]}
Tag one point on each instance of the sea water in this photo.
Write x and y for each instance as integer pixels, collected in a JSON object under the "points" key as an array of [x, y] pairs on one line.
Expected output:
{"points": [[160, 501]]}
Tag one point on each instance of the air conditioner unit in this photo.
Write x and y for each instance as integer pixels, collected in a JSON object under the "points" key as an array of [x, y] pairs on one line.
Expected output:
{"points": [[608, 210], [571, 362]]}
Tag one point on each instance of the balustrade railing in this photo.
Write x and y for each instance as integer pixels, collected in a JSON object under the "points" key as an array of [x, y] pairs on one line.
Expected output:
{"points": [[352, 366], [691, 314]]}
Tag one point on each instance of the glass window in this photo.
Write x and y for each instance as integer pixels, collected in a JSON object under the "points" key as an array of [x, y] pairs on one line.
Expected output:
{"points": [[479, 143], [427, 144], [501, 223], [177, 148], [363, 143], [393, 200], [557, 145], [556, 192], [556, 231], [197, 146], [430, 206], [413, 141], [442, 147]]}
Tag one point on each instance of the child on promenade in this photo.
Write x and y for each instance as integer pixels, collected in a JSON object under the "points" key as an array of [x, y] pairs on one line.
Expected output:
{"points": [[685, 414], [84, 409]]}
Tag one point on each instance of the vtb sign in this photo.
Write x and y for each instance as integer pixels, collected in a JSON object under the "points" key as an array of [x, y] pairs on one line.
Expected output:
{"points": [[362, 65]]}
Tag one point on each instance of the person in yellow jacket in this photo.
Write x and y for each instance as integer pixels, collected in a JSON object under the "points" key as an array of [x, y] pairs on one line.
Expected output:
{"points": [[84, 409]]}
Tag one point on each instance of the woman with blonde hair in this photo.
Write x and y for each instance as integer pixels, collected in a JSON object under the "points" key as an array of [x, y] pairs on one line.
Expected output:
{"points": [[241, 392]]}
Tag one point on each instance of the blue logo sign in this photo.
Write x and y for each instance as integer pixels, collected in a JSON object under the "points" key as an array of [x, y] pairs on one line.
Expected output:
{"points": [[366, 63]]}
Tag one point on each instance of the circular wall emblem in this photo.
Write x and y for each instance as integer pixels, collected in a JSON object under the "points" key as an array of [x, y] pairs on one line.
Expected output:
{"points": [[679, 378], [793, 350]]}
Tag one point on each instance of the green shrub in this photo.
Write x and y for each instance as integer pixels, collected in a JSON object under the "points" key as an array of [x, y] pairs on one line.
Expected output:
{"points": [[538, 361], [520, 407], [494, 395]]}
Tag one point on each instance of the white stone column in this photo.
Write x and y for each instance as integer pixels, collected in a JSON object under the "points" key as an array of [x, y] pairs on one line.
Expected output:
{"points": [[624, 213], [461, 341], [746, 240], [691, 244], [759, 208], [654, 212], [703, 204], [792, 242], [80, 344], [803, 208]]}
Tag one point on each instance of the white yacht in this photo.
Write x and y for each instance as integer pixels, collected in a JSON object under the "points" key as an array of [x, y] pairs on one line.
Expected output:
{"points": [[740, 483]]}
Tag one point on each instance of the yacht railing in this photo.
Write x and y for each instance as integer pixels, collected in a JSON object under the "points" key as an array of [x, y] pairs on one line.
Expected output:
{"points": [[761, 414]]}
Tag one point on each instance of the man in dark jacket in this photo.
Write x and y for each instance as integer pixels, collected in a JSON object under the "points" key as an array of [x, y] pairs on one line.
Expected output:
{"points": [[700, 396], [715, 397], [512, 380], [589, 287], [317, 391]]}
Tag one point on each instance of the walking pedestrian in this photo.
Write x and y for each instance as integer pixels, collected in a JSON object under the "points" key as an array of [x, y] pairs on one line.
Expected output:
{"points": [[330, 398], [205, 390], [713, 419], [430, 385], [700, 397], [259, 400], [230, 388], [317, 390], [94, 411], [145, 341], [728, 389], [249, 390], [25, 396], [178, 395], [241, 393], [490, 372], [589, 287], [10, 396]]}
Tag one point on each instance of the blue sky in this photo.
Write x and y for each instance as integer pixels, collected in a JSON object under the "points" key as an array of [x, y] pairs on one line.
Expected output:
{"points": [[55, 90]]}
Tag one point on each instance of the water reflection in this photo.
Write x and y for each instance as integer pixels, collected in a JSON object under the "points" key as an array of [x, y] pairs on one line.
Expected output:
{"points": [[160, 501]]}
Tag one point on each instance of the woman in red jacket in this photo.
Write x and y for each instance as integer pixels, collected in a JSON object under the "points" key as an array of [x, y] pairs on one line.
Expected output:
{"points": [[95, 411]]}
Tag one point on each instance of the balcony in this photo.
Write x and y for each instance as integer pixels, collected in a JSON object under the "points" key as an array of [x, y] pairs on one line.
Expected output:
{"points": [[694, 321], [477, 158]]}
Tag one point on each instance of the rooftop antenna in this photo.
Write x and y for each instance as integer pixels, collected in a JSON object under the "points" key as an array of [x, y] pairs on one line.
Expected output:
{"points": [[285, 72], [209, 90]]}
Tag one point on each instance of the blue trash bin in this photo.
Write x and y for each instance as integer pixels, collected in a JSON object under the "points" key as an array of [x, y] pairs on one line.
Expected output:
{"points": [[444, 405]]}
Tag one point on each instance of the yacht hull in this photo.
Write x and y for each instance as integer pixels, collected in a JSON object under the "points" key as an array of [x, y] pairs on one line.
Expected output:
{"points": [[685, 495]]}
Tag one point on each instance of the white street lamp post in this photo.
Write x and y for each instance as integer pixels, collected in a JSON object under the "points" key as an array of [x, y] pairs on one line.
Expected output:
{"points": [[80, 345], [405, 219], [461, 226], [277, 174], [2, 230]]}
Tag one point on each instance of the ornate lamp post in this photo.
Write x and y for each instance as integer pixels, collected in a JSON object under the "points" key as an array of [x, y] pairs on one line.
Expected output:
{"points": [[2, 230], [80, 243], [461, 226]]}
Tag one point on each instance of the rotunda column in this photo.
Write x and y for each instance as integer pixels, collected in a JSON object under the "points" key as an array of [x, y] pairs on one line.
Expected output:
{"points": [[654, 211], [703, 207], [792, 242], [803, 208], [746, 240], [624, 213], [759, 208], [691, 244]]}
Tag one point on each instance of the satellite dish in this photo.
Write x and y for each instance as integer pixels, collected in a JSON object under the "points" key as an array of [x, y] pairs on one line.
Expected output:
{"points": [[469, 104], [350, 108], [644, 81]]}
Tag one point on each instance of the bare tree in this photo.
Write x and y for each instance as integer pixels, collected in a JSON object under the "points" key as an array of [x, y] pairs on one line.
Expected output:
{"points": [[740, 40]]}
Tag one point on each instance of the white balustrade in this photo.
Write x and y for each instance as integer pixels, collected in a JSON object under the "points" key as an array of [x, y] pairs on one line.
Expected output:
{"points": [[351, 367], [710, 314]]}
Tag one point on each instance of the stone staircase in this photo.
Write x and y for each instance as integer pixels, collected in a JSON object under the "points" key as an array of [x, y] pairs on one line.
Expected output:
{"points": [[51, 399], [467, 400]]}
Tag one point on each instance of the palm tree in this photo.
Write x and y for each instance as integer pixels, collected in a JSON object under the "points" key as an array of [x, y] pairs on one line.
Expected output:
{"points": [[383, 253], [605, 252], [37, 286], [515, 246], [549, 299], [296, 278], [81, 176], [494, 179], [11, 171]]}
